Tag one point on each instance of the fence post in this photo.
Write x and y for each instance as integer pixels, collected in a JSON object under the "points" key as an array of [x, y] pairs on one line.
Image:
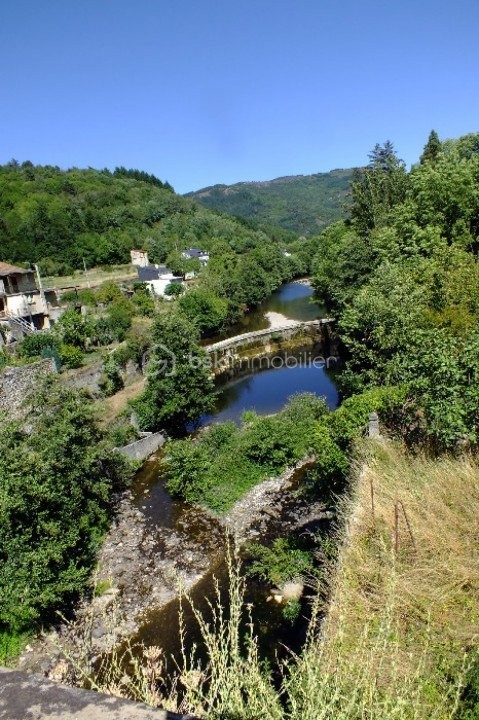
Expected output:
{"points": [[373, 429]]}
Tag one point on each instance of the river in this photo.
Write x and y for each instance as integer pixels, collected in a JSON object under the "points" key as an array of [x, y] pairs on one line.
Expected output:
{"points": [[266, 392]]}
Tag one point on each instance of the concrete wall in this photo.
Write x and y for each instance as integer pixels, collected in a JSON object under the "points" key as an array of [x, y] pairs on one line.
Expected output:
{"points": [[17, 383], [24, 696], [143, 448]]}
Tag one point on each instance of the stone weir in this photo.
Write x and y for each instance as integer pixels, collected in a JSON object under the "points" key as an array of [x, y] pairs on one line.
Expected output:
{"points": [[249, 351]]}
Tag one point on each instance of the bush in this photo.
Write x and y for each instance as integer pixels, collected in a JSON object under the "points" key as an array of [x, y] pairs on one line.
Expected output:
{"points": [[225, 461], [280, 563], [174, 288], [111, 380], [120, 315], [56, 478], [73, 328], [35, 345], [84, 296], [70, 356]]}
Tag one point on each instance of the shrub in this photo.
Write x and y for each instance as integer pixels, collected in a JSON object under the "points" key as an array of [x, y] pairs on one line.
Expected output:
{"points": [[73, 328], [174, 288], [70, 356], [120, 315], [34, 345], [111, 380], [56, 477]]}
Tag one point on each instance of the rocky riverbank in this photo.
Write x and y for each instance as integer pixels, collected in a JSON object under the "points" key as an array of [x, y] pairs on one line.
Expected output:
{"points": [[141, 565]]}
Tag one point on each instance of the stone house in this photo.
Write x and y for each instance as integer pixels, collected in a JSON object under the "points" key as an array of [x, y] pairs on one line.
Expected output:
{"points": [[23, 307], [139, 258]]}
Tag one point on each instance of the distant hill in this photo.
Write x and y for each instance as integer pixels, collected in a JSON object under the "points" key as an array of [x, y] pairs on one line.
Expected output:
{"points": [[301, 203], [60, 218]]}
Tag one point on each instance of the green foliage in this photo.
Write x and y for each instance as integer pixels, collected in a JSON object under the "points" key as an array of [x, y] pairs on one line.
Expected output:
{"points": [[70, 356], [84, 296], [225, 461], [403, 279], [34, 345], [119, 317], [12, 643], [431, 149], [469, 701], [174, 288], [205, 309], [111, 380], [303, 204], [108, 292], [143, 300], [55, 484], [60, 218], [280, 563], [73, 328], [142, 176], [377, 189], [179, 388]]}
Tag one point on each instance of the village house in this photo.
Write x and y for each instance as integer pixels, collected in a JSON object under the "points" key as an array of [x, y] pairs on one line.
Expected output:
{"points": [[157, 277], [139, 258], [196, 254], [23, 306]]}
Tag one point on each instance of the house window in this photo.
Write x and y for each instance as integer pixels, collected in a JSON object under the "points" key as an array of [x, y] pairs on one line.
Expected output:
{"points": [[13, 284]]}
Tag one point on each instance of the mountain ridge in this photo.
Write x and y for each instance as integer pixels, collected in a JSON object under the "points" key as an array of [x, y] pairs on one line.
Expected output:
{"points": [[300, 203]]}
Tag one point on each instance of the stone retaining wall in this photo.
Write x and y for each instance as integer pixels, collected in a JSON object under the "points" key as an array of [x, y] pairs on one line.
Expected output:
{"points": [[144, 447], [17, 383]]}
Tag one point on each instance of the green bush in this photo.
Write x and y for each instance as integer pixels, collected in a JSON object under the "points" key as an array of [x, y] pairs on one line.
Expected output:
{"points": [[175, 288], [73, 328], [111, 380], [34, 345], [120, 314], [280, 563], [71, 357], [225, 461], [56, 477]]}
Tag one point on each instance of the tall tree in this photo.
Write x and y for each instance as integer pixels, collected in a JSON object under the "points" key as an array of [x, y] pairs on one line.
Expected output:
{"points": [[179, 388], [431, 149], [378, 188]]}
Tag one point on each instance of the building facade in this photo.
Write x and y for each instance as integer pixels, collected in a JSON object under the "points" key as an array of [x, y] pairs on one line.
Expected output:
{"points": [[23, 308]]}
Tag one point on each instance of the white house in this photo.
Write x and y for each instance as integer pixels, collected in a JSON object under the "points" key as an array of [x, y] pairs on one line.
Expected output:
{"points": [[157, 277], [196, 254]]}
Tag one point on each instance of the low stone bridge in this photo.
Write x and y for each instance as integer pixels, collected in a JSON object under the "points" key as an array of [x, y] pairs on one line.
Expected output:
{"points": [[227, 356]]}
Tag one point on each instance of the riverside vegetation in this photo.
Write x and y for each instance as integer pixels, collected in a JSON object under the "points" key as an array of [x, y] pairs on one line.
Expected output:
{"points": [[399, 638]]}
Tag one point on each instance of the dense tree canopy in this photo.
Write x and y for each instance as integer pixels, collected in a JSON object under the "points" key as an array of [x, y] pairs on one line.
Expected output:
{"points": [[403, 278], [58, 218], [56, 479]]}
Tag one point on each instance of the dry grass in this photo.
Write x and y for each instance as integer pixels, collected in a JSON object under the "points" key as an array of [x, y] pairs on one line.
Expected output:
{"points": [[404, 607], [93, 278], [402, 615]]}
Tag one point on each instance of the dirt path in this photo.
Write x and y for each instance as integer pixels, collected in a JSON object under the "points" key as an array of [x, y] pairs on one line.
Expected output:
{"points": [[112, 406]]}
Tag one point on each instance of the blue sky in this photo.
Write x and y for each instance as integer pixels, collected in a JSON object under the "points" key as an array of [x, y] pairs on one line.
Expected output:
{"points": [[208, 91]]}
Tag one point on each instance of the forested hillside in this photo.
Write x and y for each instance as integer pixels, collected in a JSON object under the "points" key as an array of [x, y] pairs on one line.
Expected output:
{"points": [[59, 218], [304, 204]]}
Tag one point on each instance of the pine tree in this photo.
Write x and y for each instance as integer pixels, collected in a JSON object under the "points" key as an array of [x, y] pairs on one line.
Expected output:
{"points": [[431, 149]]}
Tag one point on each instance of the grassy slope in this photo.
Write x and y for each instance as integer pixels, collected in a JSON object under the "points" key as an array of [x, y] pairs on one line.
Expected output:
{"points": [[302, 203], [399, 622]]}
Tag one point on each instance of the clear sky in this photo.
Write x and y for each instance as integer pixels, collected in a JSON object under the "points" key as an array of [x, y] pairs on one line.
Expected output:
{"points": [[208, 91]]}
